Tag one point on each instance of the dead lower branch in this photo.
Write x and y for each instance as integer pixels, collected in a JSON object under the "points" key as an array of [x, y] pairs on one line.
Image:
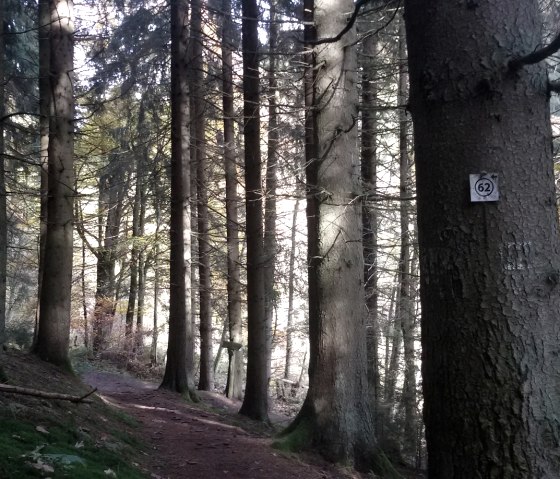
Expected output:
{"points": [[6, 388]]}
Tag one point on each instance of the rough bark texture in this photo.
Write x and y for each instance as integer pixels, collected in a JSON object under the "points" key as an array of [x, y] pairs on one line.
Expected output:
{"points": [[336, 411], [255, 402], [179, 364], [54, 321], [235, 368], [490, 271]]}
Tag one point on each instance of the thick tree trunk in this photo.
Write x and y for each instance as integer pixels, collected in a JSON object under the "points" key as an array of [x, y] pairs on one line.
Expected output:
{"points": [[54, 322], [489, 270], [336, 412], [235, 368], [178, 368], [255, 402]]}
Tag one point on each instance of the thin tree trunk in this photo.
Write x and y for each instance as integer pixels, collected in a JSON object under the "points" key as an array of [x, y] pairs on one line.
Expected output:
{"points": [[235, 367], [406, 297], [369, 213], [269, 245], [255, 402], [291, 287], [54, 322], [44, 118], [3, 204], [84, 294], [198, 128]]}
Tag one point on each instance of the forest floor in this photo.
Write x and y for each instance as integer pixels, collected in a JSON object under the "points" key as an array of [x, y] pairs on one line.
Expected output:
{"points": [[132, 430]]}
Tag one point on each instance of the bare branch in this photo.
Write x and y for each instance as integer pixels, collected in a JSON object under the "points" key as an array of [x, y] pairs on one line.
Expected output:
{"points": [[537, 56], [6, 388]]}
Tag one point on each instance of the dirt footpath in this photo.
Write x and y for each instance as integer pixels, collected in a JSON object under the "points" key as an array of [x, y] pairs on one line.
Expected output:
{"points": [[187, 441]]}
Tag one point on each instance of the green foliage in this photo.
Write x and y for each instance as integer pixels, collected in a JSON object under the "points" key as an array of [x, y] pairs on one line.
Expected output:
{"points": [[58, 452]]}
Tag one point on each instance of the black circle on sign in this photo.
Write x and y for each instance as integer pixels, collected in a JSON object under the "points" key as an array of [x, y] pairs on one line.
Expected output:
{"points": [[484, 187]]}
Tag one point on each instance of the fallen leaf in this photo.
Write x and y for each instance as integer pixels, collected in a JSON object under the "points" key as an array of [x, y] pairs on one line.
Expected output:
{"points": [[41, 429], [110, 473]]}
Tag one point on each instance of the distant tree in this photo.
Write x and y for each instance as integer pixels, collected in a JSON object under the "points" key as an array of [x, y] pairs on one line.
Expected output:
{"points": [[54, 321], [235, 354], [198, 128], [489, 270], [255, 402], [178, 368]]}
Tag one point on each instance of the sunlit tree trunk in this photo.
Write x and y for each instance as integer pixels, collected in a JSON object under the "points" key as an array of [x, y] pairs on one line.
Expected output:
{"points": [[336, 415], [54, 321], [235, 368], [489, 270], [291, 288]]}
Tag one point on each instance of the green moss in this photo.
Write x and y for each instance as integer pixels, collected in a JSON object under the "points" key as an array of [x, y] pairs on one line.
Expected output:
{"points": [[295, 439], [382, 466], [26, 452]]}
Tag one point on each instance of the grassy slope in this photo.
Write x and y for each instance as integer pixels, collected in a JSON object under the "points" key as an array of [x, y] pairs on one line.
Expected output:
{"points": [[52, 438]]}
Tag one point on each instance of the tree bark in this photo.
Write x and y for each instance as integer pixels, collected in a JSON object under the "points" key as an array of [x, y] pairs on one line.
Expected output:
{"points": [[489, 270], [291, 288], [178, 368], [54, 322], [255, 402], [198, 128], [336, 412], [369, 213], [270, 244], [3, 203], [406, 316], [235, 368]]}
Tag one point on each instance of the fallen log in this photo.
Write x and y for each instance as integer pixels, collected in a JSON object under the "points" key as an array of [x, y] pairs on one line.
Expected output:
{"points": [[6, 388]]}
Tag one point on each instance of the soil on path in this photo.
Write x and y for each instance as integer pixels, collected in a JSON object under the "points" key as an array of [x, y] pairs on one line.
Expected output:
{"points": [[190, 441]]}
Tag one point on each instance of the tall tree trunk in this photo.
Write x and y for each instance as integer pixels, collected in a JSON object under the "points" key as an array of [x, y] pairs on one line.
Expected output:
{"points": [[489, 271], [178, 368], [269, 245], [142, 264], [235, 368], [255, 402], [155, 331], [406, 297], [291, 288], [3, 203], [336, 414], [369, 213], [206, 380], [54, 322], [134, 254], [44, 118]]}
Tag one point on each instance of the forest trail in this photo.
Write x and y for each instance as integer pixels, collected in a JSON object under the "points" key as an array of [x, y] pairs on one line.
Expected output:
{"points": [[197, 442]]}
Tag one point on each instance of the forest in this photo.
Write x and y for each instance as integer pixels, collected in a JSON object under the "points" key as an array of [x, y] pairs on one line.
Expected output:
{"points": [[347, 210]]}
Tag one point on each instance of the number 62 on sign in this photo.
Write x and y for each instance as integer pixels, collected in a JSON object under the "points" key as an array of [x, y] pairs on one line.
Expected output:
{"points": [[484, 187]]}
